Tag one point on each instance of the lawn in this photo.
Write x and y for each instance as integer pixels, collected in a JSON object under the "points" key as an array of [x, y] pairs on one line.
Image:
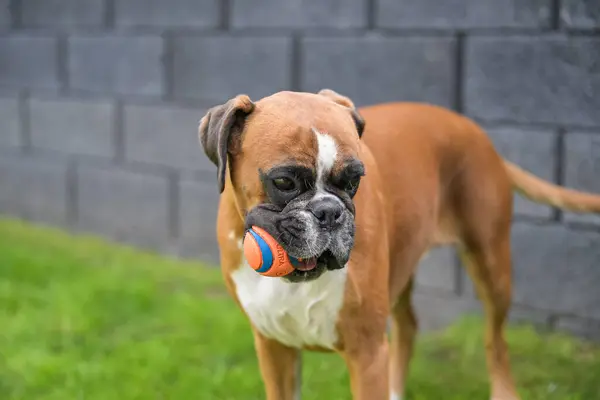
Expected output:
{"points": [[84, 319]]}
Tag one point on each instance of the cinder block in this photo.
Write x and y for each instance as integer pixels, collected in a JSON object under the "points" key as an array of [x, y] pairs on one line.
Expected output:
{"points": [[438, 269], [72, 126], [581, 327], [582, 169], [535, 151], [33, 189], [556, 269], [29, 61], [123, 205], [461, 14], [62, 13], [376, 69], [341, 14], [172, 13], [126, 65], [5, 14], [165, 135], [526, 315], [437, 312], [219, 68], [533, 79], [197, 217], [10, 122], [580, 14]]}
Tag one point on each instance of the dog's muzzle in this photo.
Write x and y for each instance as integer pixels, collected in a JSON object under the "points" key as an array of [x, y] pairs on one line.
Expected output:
{"points": [[320, 232]]}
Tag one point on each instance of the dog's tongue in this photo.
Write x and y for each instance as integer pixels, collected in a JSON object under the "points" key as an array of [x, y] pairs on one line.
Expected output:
{"points": [[307, 264]]}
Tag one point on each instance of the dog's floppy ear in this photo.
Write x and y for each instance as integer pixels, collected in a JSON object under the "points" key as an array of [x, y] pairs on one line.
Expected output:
{"points": [[217, 128], [346, 102]]}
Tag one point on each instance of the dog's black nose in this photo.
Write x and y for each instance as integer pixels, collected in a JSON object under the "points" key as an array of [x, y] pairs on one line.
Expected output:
{"points": [[328, 212]]}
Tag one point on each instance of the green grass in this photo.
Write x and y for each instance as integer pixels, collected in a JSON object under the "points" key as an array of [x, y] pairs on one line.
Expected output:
{"points": [[84, 319]]}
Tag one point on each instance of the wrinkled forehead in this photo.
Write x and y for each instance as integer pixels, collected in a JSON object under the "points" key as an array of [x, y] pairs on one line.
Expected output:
{"points": [[322, 139], [331, 156], [314, 149]]}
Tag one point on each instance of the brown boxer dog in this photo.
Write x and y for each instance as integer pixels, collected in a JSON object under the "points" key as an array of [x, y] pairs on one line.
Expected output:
{"points": [[362, 197]]}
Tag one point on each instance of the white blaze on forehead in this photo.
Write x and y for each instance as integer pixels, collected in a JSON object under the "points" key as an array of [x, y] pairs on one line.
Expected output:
{"points": [[326, 155]]}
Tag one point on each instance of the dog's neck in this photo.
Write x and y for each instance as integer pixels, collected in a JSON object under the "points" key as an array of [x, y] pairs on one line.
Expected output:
{"points": [[238, 205]]}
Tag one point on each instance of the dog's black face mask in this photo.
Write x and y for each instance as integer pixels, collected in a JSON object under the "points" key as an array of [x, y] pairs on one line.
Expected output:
{"points": [[311, 214]]}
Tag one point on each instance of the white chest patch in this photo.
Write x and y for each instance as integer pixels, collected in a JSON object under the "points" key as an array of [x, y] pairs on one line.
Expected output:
{"points": [[295, 314]]}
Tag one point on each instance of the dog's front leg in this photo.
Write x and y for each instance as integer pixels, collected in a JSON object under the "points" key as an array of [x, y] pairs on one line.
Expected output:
{"points": [[368, 368], [279, 367]]}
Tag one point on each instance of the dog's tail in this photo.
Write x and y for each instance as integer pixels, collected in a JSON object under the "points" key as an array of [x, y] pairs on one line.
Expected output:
{"points": [[541, 191]]}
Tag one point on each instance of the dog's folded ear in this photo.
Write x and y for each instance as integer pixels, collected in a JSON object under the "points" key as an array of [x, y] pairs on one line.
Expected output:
{"points": [[346, 102], [218, 127], [337, 98]]}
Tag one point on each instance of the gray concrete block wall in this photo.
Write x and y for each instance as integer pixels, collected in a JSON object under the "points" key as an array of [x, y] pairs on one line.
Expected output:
{"points": [[464, 14], [5, 14], [100, 101], [72, 126], [10, 122], [582, 168], [546, 79], [116, 64], [62, 13], [34, 188], [220, 67], [29, 61], [165, 14], [374, 69], [124, 204], [339, 14], [579, 14], [533, 149]]}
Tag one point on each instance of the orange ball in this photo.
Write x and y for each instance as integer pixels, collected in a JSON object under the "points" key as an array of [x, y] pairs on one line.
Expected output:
{"points": [[265, 255]]}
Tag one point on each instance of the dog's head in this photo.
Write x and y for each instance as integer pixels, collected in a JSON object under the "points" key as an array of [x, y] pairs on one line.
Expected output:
{"points": [[294, 168]]}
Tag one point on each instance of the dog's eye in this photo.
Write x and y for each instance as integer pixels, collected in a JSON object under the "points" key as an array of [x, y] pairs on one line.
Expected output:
{"points": [[351, 186], [284, 184]]}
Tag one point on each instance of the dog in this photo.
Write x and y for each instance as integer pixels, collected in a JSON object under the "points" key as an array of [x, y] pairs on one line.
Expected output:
{"points": [[362, 195]]}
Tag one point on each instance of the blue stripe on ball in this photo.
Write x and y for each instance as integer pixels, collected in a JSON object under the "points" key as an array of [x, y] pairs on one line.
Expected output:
{"points": [[265, 250]]}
